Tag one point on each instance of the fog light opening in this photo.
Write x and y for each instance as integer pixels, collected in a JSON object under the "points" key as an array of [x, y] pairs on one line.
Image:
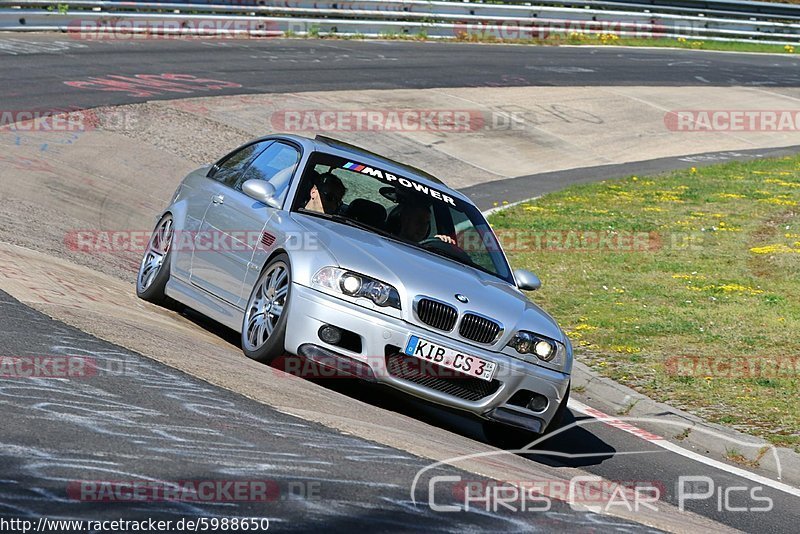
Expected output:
{"points": [[330, 334], [538, 403]]}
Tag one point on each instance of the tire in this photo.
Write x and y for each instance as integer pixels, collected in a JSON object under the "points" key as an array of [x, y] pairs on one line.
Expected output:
{"points": [[264, 330], [510, 437], [153, 272]]}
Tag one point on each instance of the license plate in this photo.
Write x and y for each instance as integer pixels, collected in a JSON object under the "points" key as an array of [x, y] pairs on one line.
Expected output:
{"points": [[450, 359]]}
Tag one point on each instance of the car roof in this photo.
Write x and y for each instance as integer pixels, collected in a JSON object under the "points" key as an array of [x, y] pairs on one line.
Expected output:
{"points": [[336, 147]]}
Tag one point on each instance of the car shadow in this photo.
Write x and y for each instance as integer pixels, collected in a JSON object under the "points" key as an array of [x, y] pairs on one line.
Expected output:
{"points": [[573, 446]]}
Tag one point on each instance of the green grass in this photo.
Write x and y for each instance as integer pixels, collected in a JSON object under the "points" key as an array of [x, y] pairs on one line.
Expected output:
{"points": [[698, 267], [612, 39]]}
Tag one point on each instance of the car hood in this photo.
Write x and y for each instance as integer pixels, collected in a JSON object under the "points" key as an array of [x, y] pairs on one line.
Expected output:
{"points": [[415, 272]]}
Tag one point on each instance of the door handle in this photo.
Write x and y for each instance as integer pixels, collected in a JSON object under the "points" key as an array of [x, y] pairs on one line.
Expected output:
{"points": [[218, 199]]}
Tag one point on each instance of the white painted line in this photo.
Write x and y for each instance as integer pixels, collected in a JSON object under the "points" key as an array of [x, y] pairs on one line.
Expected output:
{"points": [[502, 207], [658, 441]]}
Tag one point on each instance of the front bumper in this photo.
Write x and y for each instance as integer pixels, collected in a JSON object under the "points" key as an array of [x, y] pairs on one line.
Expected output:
{"points": [[380, 334]]}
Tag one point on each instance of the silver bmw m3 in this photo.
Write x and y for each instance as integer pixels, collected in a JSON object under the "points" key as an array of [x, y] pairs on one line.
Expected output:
{"points": [[323, 250]]}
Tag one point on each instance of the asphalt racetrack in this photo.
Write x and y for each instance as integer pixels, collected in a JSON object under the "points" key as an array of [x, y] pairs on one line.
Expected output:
{"points": [[346, 468]]}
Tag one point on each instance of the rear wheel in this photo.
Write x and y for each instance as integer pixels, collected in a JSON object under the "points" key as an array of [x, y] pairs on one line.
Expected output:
{"points": [[154, 271], [264, 326]]}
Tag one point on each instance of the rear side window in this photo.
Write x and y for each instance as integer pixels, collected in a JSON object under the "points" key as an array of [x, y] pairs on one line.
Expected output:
{"points": [[231, 168], [276, 165]]}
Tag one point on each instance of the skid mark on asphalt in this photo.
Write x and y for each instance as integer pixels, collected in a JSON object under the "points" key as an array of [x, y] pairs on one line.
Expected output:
{"points": [[16, 47]]}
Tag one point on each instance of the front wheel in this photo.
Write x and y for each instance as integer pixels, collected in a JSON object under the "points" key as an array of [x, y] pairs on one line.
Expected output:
{"points": [[264, 325], [154, 271]]}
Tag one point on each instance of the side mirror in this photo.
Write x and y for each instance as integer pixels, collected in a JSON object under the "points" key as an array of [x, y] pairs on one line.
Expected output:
{"points": [[262, 191], [526, 280]]}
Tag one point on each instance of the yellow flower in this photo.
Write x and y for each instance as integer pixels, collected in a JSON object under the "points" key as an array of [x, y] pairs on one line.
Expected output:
{"points": [[693, 170], [782, 183], [689, 276], [627, 349], [730, 288], [779, 201], [775, 249]]}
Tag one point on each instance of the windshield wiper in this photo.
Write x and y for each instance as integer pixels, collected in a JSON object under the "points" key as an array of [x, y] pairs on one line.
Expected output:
{"points": [[452, 257], [461, 261]]}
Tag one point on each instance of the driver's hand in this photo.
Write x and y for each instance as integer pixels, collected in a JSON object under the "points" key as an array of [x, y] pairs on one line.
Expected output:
{"points": [[446, 239]]}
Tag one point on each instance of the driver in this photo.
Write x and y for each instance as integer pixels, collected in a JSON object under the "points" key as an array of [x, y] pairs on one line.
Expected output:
{"points": [[415, 223], [326, 194]]}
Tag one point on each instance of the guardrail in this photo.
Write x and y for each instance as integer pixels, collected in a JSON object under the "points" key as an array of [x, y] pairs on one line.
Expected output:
{"points": [[725, 8], [376, 18]]}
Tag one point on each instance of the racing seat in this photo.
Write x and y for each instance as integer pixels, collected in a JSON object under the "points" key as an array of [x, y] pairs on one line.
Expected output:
{"points": [[393, 221], [367, 212]]}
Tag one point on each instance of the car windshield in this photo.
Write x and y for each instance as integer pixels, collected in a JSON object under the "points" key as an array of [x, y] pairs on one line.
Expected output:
{"points": [[400, 208]]}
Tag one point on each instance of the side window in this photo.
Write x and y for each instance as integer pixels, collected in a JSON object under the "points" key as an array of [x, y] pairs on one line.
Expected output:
{"points": [[276, 165], [231, 169]]}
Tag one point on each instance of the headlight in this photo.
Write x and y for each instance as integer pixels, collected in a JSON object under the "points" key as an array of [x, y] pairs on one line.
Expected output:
{"points": [[357, 286], [534, 347]]}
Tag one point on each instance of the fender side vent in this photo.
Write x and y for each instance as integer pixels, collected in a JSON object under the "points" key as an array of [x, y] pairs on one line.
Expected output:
{"points": [[267, 239]]}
